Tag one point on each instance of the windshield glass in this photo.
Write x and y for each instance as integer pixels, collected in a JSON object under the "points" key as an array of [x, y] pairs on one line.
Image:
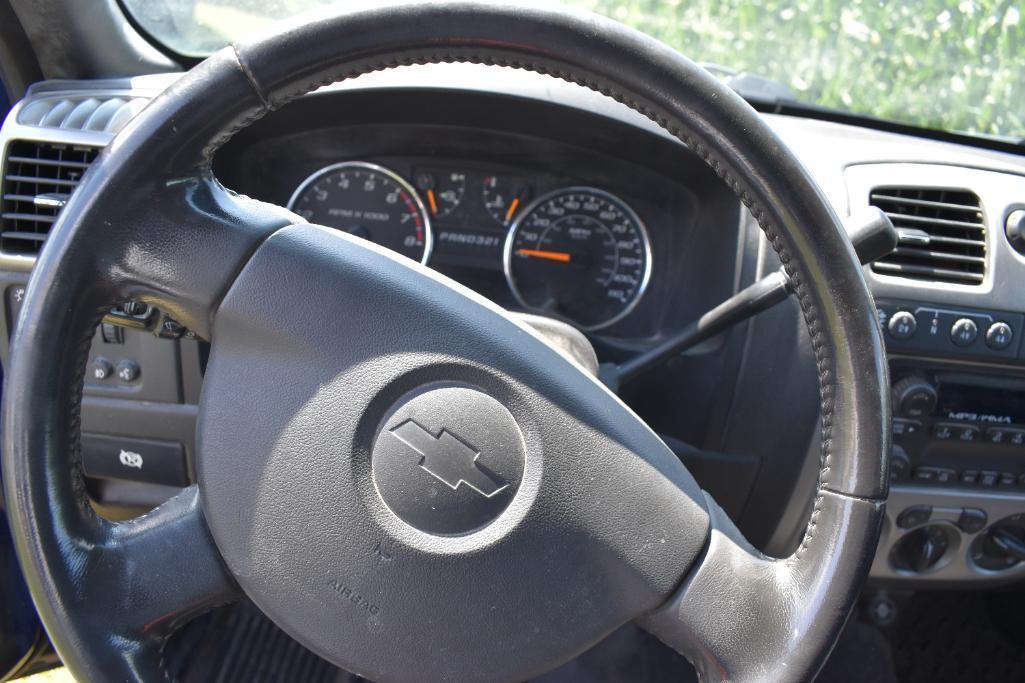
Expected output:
{"points": [[928, 63]]}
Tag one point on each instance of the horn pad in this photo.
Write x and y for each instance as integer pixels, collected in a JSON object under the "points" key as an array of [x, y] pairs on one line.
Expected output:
{"points": [[448, 460]]}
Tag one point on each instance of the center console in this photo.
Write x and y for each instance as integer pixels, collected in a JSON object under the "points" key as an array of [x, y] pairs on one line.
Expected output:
{"points": [[956, 511]]}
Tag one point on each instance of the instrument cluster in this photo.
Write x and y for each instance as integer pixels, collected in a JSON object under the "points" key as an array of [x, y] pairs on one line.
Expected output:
{"points": [[574, 252]]}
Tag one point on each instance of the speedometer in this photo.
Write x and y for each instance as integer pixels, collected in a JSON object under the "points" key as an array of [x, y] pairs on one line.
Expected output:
{"points": [[579, 253], [368, 201]]}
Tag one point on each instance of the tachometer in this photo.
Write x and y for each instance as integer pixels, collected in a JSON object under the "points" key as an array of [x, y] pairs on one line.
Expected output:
{"points": [[580, 253], [368, 201]]}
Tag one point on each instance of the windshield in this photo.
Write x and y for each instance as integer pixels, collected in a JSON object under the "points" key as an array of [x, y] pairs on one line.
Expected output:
{"points": [[928, 63]]}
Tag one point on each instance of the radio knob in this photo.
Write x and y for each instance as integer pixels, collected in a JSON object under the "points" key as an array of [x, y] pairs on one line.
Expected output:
{"points": [[914, 397]]}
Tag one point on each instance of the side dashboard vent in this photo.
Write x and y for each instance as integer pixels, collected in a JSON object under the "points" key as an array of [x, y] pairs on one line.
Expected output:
{"points": [[942, 234], [101, 115], [38, 179]]}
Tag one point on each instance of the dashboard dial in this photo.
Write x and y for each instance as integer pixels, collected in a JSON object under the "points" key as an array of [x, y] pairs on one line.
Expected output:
{"points": [[368, 201], [580, 253], [442, 190], [504, 197]]}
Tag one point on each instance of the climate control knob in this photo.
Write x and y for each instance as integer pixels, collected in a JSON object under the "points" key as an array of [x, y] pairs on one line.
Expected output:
{"points": [[913, 396], [1002, 546], [922, 549]]}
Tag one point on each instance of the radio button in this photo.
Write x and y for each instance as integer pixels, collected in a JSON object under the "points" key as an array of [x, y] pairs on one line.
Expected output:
{"points": [[902, 427], [940, 475], [997, 435], [970, 476], [900, 463], [989, 478], [1006, 435], [925, 474], [944, 431], [1008, 479], [999, 336], [968, 434], [964, 332]]}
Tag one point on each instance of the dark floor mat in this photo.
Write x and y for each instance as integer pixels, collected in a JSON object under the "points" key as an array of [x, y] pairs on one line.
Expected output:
{"points": [[629, 654], [238, 643], [861, 654], [960, 636]]}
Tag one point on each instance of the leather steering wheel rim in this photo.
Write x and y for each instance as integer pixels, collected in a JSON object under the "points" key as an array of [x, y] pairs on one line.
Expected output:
{"points": [[150, 222]]}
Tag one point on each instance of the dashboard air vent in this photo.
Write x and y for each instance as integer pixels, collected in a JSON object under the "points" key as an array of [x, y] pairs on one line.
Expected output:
{"points": [[942, 234], [102, 115], [38, 179]]}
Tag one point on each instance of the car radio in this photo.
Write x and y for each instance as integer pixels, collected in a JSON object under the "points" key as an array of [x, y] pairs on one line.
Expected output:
{"points": [[958, 428]]}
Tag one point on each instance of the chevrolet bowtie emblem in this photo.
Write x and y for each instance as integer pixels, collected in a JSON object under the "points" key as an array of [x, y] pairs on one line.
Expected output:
{"points": [[449, 459]]}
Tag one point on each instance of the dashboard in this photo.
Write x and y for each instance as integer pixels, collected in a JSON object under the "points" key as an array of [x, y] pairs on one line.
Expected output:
{"points": [[569, 251], [547, 198], [519, 205]]}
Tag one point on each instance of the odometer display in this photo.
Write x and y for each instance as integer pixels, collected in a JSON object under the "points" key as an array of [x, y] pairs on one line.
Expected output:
{"points": [[368, 201], [579, 253]]}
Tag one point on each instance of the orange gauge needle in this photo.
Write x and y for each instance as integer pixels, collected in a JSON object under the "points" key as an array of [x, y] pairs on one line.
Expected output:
{"points": [[560, 256], [432, 201], [512, 209]]}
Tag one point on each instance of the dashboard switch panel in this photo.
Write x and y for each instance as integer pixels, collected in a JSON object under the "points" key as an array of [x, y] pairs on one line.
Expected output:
{"points": [[965, 333]]}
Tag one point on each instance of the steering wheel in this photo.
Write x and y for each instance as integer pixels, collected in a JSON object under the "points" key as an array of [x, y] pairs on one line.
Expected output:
{"points": [[404, 478]]}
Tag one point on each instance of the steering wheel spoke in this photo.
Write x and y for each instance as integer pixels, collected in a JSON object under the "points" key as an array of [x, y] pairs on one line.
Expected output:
{"points": [[163, 569], [740, 615], [189, 238]]}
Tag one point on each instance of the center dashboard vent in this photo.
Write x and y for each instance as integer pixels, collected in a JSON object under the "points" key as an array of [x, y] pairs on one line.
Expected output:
{"points": [[942, 234], [38, 179]]}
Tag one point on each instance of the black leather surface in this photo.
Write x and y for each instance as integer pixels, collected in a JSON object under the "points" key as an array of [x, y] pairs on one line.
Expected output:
{"points": [[172, 236]]}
